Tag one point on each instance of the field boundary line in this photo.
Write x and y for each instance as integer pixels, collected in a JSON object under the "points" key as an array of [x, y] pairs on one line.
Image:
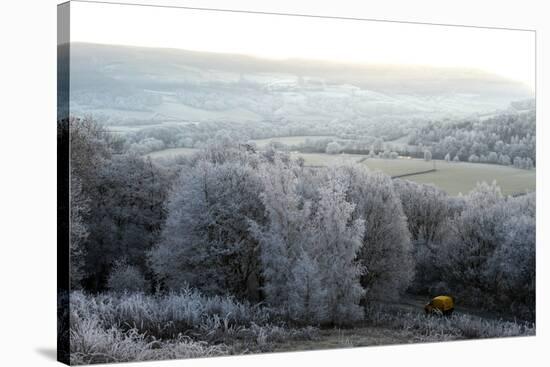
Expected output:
{"points": [[414, 173]]}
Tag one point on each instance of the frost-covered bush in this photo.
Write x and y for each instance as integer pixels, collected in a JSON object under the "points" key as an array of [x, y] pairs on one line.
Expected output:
{"points": [[92, 342], [265, 335], [165, 316], [126, 278], [129, 327]]}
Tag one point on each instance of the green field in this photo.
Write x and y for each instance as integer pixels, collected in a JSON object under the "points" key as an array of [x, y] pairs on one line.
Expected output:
{"points": [[462, 177], [452, 177], [290, 140]]}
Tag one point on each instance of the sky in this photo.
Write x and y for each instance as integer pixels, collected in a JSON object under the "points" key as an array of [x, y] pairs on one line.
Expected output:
{"points": [[508, 53]]}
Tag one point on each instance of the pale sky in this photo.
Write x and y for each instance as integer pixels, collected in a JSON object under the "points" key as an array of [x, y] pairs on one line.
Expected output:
{"points": [[509, 53]]}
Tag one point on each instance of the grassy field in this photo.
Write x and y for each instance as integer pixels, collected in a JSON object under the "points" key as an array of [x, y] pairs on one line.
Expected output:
{"points": [[290, 140], [461, 177], [452, 177]]}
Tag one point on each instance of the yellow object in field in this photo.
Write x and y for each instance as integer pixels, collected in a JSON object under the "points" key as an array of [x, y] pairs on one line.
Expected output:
{"points": [[443, 304]]}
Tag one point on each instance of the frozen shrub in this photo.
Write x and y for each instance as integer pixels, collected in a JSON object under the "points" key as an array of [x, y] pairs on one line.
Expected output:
{"points": [[131, 327], [166, 316], [126, 278]]}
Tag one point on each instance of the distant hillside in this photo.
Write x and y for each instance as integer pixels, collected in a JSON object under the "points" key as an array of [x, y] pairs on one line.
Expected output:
{"points": [[140, 85]]}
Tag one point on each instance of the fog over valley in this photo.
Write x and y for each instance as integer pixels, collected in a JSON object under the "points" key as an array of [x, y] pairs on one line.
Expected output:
{"points": [[130, 85]]}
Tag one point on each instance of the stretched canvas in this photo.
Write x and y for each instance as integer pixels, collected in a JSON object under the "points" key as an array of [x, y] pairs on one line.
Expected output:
{"points": [[235, 182]]}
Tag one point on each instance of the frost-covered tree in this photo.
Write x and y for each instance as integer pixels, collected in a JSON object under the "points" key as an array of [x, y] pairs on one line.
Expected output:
{"points": [[386, 252], [206, 241], [427, 155], [471, 242], [333, 148], [337, 241], [518, 162], [492, 157], [510, 133], [91, 147], [447, 157], [126, 215], [79, 209], [289, 268], [489, 254], [125, 195], [309, 246], [505, 160], [146, 146], [473, 158], [456, 158], [428, 210], [528, 163], [514, 262], [307, 296], [378, 145]]}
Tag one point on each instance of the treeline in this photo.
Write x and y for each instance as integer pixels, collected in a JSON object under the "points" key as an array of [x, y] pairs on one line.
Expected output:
{"points": [[312, 243], [196, 135], [479, 247], [117, 205], [508, 138], [354, 136]]}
